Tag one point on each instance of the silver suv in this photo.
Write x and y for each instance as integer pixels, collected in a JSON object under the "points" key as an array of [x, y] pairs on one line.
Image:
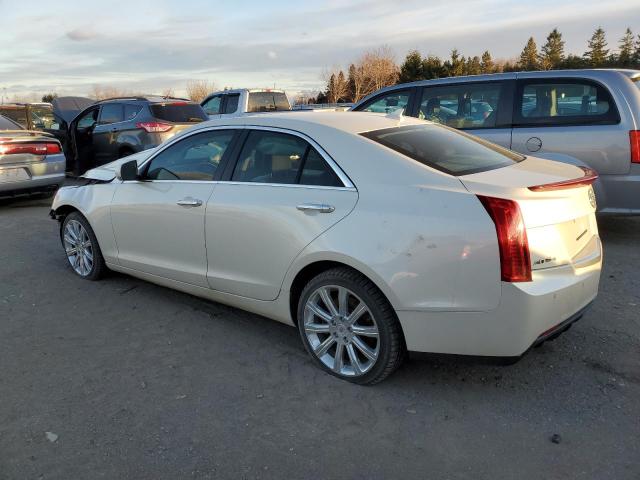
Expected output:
{"points": [[582, 117]]}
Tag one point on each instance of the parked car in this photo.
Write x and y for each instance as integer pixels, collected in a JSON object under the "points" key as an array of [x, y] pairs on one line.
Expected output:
{"points": [[373, 235], [118, 127], [30, 161], [243, 100], [582, 117], [32, 116]]}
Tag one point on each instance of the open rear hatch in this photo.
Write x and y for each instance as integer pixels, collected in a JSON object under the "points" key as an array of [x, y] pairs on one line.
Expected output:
{"points": [[557, 205]]}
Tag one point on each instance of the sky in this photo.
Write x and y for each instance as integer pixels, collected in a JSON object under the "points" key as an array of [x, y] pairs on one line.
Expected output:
{"points": [[69, 47]]}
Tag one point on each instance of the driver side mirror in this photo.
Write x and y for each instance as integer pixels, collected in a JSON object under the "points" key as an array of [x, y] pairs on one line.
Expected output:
{"points": [[128, 171]]}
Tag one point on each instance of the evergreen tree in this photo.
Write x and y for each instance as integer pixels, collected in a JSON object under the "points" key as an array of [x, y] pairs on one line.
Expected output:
{"points": [[412, 68], [636, 53], [598, 51], [432, 67], [553, 51], [487, 65], [529, 56], [474, 67], [455, 66], [573, 62], [625, 57]]}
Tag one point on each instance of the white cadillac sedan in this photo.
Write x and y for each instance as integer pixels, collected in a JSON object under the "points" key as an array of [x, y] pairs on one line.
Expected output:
{"points": [[373, 235]]}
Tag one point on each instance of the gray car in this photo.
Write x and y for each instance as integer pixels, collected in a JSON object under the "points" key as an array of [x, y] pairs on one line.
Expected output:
{"points": [[118, 127], [30, 161], [582, 117]]}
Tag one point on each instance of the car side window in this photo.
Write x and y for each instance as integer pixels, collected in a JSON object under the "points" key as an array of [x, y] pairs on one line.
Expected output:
{"points": [[468, 106], [270, 157], [387, 103], [88, 120], [130, 111], [316, 171], [212, 106], [196, 157], [232, 103], [111, 113], [564, 101]]}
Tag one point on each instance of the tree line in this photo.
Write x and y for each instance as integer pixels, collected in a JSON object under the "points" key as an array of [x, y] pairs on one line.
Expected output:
{"points": [[377, 68]]}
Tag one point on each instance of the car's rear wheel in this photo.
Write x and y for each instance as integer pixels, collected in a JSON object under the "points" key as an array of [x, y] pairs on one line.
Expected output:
{"points": [[349, 328], [81, 247]]}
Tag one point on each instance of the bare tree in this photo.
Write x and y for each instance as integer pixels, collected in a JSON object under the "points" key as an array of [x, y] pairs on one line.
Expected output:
{"points": [[100, 92], [373, 70], [168, 92], [197, 90]]}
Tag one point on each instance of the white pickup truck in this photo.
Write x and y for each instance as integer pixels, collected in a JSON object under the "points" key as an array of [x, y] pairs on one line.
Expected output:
{"points": [[244, 100]]}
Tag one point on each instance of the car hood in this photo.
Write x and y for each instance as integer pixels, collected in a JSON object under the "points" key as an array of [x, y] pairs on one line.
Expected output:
{"points": [[68, 107], [107, 172]]}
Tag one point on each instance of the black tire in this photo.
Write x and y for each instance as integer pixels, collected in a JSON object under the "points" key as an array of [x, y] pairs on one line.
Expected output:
{"points": [[98, 267], [392, 349]]}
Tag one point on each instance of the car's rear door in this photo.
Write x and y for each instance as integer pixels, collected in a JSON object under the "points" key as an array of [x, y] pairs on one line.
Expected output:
{"points": [[158, 222], [481, 108], [574, 120], [283, 192]]}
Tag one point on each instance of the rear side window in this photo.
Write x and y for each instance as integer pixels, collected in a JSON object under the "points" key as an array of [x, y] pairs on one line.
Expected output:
{"points": [[130, 111], [564, 102], [111, 113], [232, 103], [387, 103], [471, 106], [273, 157], [212, 106], [444, 149], [267, 102], [178, 112]]}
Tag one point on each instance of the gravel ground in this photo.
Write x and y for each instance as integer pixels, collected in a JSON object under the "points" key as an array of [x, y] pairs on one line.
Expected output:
{"points": [[124, 379]]}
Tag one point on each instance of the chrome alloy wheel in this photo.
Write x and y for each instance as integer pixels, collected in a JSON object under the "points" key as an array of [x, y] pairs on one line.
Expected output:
{"points": [[341, 330], [77, 245]]}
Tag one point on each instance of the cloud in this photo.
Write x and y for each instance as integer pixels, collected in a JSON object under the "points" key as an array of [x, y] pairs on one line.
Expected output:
{"points": [[81, 35], [272, 55]]}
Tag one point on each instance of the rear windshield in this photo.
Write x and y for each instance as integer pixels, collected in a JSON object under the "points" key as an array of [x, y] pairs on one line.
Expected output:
{"points": [[444, 148], [179, 112], [17, 114], [267, 102], [7, 124]]}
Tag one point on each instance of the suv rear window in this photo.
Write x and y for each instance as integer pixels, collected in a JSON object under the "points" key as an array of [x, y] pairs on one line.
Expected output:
{"points": [[179, 112], [267, 102], [444, 148]]}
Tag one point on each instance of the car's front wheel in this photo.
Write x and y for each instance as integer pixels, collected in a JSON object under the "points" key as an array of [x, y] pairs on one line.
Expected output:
{"points": [[349, 328], [81, 247]]}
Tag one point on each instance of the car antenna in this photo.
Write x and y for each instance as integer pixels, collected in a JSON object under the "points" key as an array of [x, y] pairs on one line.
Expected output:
{"points": [[397, 114]]}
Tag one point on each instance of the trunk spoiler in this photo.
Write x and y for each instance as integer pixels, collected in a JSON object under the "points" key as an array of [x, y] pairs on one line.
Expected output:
{"points": [[588, 178]]}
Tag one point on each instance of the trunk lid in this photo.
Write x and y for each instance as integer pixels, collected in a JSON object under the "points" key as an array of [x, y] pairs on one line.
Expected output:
{"points": [[560, 221]]}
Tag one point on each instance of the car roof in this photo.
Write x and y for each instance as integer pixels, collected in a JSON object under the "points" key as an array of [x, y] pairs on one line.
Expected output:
{"points": [[146, 98], [307, 122]]}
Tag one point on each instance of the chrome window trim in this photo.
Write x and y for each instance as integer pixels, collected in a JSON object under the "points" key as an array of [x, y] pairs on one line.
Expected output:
{"points": [[256, 184], [346, 181]]}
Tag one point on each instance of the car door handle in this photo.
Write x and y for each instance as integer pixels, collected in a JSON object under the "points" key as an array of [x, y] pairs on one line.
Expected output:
{"points": [[316, 207], [189, 202]]}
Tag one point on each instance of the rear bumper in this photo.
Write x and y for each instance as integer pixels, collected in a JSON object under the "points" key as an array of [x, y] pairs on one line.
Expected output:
{"points": [[35, 176], [528, 313], [619, 194]]}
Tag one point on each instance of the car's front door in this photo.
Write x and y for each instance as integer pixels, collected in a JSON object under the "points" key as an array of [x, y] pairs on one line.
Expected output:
{"points": [[81, 130], [282, 194], [158, 222], [479, 108], [105, 132]]}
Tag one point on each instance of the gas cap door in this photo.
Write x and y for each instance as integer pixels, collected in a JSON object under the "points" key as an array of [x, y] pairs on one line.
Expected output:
{"points": [[534, 144]]}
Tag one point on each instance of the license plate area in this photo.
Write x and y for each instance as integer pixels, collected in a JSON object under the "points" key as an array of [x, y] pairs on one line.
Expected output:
{"points": [[8, 175]]}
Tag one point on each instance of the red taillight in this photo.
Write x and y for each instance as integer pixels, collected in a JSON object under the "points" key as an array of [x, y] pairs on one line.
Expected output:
{"points": [[154, 127], [43, 148], [515, 260], [634, 138], [588, 178]]}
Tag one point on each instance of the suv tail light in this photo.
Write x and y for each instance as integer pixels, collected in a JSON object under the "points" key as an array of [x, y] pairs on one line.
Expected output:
{"points": [[634, 138], [154, 127], [515, 260], [41, 148]]}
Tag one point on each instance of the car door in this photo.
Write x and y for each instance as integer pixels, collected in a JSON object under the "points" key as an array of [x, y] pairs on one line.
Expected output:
{"points": [[283, 192], [81, 130], [570, 119], [105, 132], [158, 221], [213, 106], [479, 108]]}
